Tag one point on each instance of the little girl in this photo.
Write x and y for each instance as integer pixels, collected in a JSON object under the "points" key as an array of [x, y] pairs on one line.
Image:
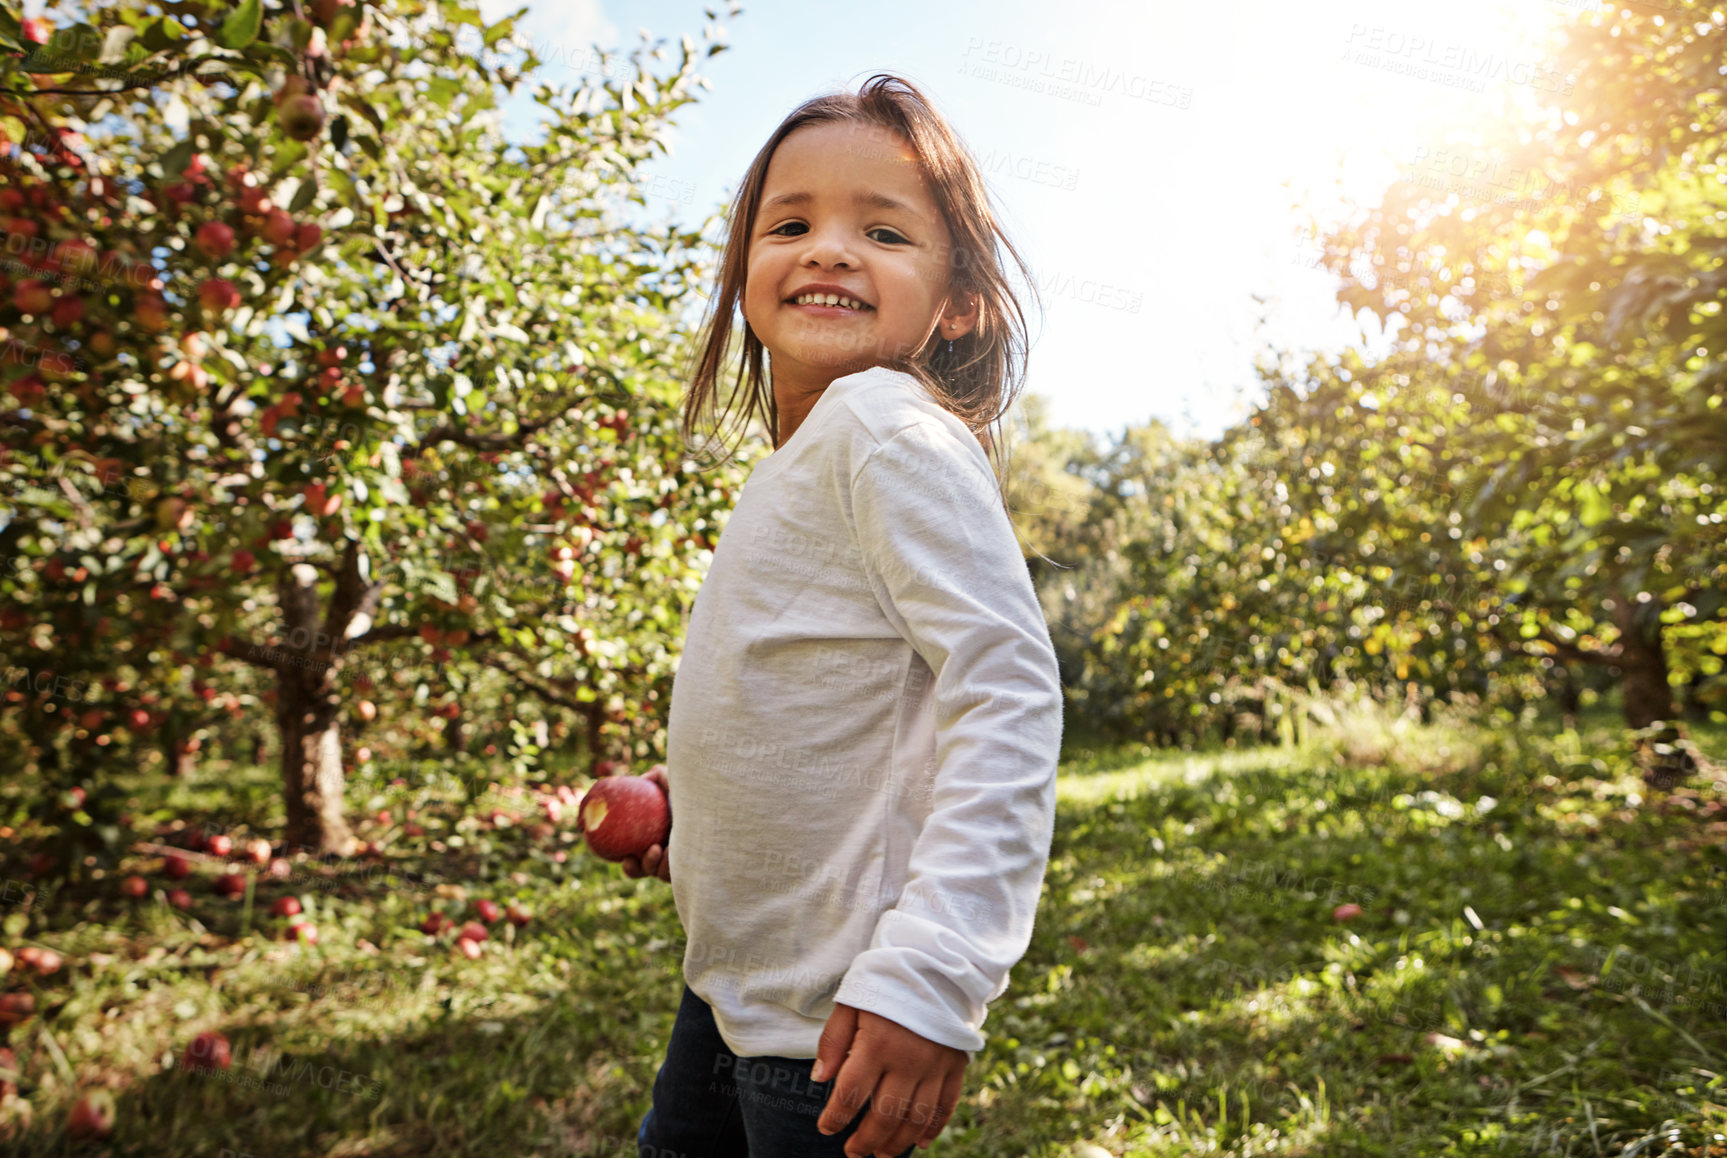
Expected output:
{"points": [[864, 725]]}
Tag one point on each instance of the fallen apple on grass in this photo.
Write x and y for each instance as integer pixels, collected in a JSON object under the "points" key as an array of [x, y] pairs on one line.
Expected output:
{"points": [[207, 1051], [176, 867], [258, 851], [179, 898], [303, 931], [134, 887], [42, 961], [285, 907], [16, 1007], [470, 948], [435, 924], [624, 816], [1346, 912], [518, 915], [219, 845], [92, 1116], [473, 931], [488, 911], [231, 885]]}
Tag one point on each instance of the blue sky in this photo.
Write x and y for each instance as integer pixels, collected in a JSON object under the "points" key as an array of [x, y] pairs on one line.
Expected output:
{"points": [[1155, 162], [1147, 158]]}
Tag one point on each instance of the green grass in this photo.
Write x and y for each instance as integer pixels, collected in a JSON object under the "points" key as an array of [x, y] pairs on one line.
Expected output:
{"points": [[1539, 974]]}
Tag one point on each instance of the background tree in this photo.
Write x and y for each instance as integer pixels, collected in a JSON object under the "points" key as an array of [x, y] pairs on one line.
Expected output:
{"points": [[355, 381]]}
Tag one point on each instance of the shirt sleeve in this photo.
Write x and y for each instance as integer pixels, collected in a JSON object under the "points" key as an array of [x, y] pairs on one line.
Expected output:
{"points": [[948, 572]]}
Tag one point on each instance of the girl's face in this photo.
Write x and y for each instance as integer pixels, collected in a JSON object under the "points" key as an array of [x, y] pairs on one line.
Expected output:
{"points": [[845, 206]]}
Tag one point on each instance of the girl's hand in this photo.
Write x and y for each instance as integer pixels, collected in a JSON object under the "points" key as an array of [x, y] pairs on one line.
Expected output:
{"points": [[911, 1083], [657, 861]]}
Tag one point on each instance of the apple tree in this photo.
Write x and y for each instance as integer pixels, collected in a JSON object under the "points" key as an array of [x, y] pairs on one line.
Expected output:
{"points": [[357, 387]]}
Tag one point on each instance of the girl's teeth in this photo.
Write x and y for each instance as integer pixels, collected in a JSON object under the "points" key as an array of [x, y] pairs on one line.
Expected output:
{"points": [[829, 300]]}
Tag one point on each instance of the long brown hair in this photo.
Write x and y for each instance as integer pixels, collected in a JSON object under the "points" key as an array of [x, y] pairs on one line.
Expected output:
{"points": [[983, 376]]}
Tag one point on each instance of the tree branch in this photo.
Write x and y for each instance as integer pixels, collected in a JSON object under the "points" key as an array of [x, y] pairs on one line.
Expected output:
{"points": [[545, 693]]}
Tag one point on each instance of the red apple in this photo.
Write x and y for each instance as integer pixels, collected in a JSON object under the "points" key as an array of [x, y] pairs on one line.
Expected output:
{"points": [[278, 227], [434, 924], [231, 885], [67, 311], [32, 296], [37, 30], [207, 1051], [43, 961], [134, 887], [72, 799], [258, 851], [472, 931], [1346, 912], [176, 866], [280, 869], [488, 911], [16, 1007], [220, 845], [92, 1116], [180, 899], [623, 816], [285, 907], [518, 915], [303, 931], [218, 294], [215, 240], [308, 235]]}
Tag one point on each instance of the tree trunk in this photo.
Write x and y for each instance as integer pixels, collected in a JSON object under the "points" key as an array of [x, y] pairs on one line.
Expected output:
{"points": [[1570, 695], [1648, 697], [1644, 662], [309, 719], [308, 716]]}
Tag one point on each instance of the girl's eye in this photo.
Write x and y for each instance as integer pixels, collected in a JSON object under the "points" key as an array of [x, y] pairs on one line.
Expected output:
{"points": [[891, 235], [788, 225]]}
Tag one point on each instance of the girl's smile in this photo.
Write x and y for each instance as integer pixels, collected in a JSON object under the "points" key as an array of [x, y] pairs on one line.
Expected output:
{"points": [[848, 260]]}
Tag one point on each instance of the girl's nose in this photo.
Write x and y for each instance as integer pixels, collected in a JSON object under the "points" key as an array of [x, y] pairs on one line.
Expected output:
{"points": [[829, 248]]}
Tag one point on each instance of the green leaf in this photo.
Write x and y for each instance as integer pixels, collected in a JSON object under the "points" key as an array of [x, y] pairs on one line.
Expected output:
{"points": [[1595, 508], [304, 195], [241, 26], [175, 160], [163, 33]]}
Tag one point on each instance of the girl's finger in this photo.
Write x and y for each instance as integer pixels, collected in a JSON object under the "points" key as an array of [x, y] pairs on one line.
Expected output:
{"points": [[946, 1103]]}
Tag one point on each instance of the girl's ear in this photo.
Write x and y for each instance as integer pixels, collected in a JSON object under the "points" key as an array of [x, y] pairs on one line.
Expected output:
{"points": [[958, 320]]}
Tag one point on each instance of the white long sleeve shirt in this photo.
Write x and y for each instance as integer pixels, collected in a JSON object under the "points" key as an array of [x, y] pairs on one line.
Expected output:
{"points": [[863, 735]]}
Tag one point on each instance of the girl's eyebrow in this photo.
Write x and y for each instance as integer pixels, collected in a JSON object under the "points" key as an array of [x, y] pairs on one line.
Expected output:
{"points": [[871, 198]]}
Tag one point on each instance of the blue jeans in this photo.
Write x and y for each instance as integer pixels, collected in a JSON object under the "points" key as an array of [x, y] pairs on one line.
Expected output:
{"points": [[710, 1103]]}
